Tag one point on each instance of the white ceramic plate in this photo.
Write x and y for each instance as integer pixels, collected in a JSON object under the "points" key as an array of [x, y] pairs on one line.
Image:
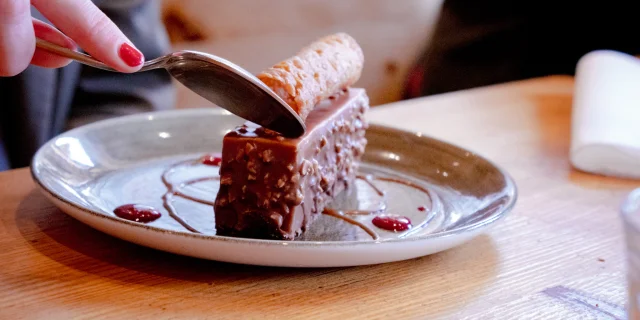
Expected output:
{"points": [[89, 171]]}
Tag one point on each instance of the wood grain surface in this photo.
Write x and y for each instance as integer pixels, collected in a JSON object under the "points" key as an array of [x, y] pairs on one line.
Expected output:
{"points": [[559, 254]]}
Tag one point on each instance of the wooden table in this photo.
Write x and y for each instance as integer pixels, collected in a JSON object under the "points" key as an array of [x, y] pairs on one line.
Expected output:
{"points": [[558, 255]]}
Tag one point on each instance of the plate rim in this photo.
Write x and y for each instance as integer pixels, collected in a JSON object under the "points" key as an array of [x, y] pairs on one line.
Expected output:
{"points": [[153, 115]]}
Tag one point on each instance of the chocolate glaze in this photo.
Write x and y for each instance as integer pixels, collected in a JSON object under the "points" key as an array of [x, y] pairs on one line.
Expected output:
{"points": [[275, 188]]}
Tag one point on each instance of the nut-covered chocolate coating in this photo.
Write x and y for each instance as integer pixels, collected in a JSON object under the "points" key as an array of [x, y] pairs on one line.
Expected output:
{"points": [[274, 187]]}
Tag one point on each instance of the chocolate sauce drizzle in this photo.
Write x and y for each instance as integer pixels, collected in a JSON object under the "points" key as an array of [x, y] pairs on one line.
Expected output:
{"points": [[176, 190], [382, 206], [436, 206], [344, 216]]}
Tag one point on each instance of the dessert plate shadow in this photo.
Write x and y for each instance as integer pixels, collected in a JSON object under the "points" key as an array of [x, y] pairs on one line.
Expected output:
{"points": [[449, 194]]}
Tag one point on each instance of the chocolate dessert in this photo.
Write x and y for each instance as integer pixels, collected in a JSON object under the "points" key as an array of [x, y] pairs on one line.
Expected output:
{"points": [[273, 187]]}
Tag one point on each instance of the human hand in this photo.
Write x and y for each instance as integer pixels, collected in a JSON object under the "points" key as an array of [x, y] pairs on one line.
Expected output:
{"points": [[82, 22]]}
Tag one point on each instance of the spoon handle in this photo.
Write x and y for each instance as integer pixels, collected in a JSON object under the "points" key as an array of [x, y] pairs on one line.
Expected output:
{"points": [[89, 60]]}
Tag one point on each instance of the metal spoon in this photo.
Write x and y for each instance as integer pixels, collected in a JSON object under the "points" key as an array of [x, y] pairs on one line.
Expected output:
{"points": [[217, 80]]}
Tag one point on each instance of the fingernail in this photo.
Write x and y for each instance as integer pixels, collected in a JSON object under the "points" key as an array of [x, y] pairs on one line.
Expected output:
{"points": [[47, 32], [130, 55]]}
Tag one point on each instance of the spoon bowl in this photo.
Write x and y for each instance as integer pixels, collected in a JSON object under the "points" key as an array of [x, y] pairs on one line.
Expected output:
{"points": [[218, 80]]}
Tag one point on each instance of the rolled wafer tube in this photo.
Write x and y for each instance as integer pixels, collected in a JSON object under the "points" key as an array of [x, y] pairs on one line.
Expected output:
{"points": [[318, 71]]}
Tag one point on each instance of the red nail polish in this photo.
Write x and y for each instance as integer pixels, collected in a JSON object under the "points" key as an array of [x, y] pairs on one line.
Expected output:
{"points": [[130, 55]]}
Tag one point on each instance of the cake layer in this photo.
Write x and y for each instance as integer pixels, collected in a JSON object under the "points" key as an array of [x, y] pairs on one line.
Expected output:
{"points": [[273, 187]]}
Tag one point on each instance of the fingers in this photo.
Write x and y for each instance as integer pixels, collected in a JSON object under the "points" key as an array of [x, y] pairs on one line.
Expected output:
{"points": [[93, 31], [80, 19], [17, 43], [43, 58]]}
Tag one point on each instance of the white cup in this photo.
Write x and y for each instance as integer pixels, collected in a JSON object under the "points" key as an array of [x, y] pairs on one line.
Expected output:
{"points": [[605, 137]]}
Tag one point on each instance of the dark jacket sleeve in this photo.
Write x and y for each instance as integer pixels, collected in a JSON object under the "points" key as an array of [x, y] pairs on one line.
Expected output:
{"points": [[40, 103], [484, 42], [103, 94]]}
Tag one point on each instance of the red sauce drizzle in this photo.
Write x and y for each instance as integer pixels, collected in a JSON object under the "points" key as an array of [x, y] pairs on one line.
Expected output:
{"points": [[212, 159], [137, 212], [392, 222], [422, 209]]}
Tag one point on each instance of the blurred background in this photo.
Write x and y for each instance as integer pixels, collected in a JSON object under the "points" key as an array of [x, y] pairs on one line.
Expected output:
{"points": [[412, 48], [391, 35]]}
